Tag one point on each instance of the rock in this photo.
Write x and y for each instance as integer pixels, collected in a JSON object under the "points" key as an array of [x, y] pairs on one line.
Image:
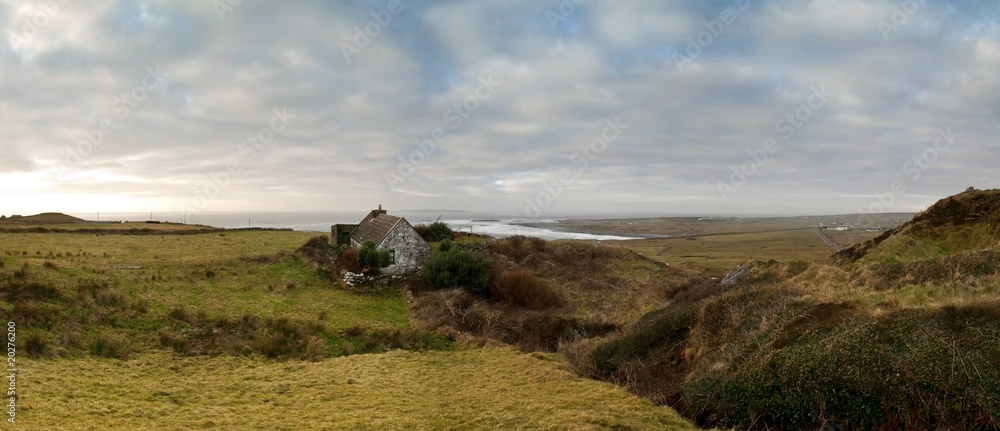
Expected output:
{"points": [[735, 276]]}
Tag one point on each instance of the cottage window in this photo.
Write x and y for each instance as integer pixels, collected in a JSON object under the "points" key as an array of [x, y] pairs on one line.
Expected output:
{"points": [[392, 256]]}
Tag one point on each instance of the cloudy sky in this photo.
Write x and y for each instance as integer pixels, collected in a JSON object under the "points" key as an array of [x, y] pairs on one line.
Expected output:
{"points": [[671, 107]]}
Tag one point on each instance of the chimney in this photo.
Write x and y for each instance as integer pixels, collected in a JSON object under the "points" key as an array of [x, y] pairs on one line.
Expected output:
{"points": [[376, 213]]}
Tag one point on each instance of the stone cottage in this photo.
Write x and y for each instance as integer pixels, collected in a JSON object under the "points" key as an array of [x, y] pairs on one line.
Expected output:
{"points": [[408, 250]]}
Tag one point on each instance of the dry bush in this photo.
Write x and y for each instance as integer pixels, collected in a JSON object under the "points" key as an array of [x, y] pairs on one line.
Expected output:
{"points": [[175, 341], [315, 349], [110, 345], [38, 346], [349, 261], [580, 354], [525, 289], [538, 244], [529, 330], [421, 229], [180, 314]]}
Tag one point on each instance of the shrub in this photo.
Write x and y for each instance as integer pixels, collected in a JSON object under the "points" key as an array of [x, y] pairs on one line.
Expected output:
{"points": [[445, 245], [458, 268], [373, 259], [320, 250], [110, 345], [349, 261], [175, 341], [179, 314], [665, 326], [37, 346], [437, 231], [315, 349], [421, 229], [525, 289]]}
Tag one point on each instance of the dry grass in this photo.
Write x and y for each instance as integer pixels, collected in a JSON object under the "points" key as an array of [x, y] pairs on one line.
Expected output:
{"points": [[491, 388], [524, 288], [716, 255], [556, 293]]}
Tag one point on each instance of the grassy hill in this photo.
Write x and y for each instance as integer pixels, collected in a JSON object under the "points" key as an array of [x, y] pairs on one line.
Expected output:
{"points": [[44, 218], [903, 335], [235, 330], [969, 221]]}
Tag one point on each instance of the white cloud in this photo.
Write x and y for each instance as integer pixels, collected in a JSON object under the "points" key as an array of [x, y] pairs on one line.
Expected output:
{"points": [[611, 59]]}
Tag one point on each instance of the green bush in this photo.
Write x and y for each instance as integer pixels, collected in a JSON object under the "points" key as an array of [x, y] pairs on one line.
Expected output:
{"points": [[437, 231], [458, 268], [373, 259]]}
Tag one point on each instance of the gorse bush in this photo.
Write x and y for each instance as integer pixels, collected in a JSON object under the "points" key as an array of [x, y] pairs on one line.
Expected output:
{"points": [[458, 268]]}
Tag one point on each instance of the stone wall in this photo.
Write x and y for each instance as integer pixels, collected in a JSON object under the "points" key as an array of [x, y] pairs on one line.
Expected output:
{"points": [[411, 250]]}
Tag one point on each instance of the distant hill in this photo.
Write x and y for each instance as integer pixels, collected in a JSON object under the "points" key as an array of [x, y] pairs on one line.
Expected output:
{"points": [[967, 221], [44, 218]]}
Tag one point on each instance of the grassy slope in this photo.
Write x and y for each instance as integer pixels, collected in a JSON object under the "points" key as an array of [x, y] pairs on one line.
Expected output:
{"points": [[229, 274], [250, 273], [491, 388], [906, 337], [968, 221]]}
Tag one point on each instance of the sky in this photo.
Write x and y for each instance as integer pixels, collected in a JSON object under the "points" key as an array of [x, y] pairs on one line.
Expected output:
{"points": [[693, 107]]}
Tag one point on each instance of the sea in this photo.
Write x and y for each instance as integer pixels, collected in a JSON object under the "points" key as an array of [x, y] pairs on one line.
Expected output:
{"points": [[492, 224]]}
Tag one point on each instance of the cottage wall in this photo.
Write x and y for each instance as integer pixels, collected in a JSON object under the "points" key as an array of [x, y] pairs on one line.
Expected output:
{"points": [[411, 250]]}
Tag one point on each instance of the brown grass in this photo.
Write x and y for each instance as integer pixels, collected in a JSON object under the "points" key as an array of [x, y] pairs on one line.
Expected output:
{"points": [[525, 289], [492, 388]]}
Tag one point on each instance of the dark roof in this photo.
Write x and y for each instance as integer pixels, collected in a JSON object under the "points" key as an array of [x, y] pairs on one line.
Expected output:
{"points": [[375, 227]]}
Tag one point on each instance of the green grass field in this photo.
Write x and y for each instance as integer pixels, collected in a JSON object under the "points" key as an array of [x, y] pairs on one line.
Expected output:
{"points": [[225, 274]]}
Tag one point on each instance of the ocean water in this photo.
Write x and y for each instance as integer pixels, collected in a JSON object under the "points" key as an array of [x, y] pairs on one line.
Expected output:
{"points": [[483, 223]]}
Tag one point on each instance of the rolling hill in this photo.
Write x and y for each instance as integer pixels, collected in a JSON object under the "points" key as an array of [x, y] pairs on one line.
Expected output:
{"points": [[44, 218], [899, 332]]}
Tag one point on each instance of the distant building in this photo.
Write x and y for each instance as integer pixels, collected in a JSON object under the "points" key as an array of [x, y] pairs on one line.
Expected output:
{"points": [[408, 250]]}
